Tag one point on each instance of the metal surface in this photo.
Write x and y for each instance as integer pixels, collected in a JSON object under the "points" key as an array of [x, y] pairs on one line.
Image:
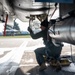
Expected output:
{"points": [[64, 31], [65, 8], [24, 8]]}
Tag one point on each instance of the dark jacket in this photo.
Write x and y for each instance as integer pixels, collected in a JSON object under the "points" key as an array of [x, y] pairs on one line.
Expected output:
{"points": [[42, 34], [51, 48]]}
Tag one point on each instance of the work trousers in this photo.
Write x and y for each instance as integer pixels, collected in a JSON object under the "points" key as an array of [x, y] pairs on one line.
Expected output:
{"points": [[43, 51]]}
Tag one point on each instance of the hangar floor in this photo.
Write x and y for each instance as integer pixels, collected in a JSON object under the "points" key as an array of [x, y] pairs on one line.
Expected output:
{"points": [[29, 66]]}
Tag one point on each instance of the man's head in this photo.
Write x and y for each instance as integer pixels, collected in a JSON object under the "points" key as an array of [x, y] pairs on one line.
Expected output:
{"points": [[44, 24]]}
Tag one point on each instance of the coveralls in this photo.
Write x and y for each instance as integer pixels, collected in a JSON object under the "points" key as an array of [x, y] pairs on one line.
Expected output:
{"points": [[49, 50]]}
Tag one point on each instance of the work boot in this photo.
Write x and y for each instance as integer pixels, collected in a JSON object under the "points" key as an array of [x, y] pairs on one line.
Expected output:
{"points": [[42, 67], [58, 68]]}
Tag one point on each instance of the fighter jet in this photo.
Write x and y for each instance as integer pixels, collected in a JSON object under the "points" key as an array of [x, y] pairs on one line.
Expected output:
{"points": [[61, 28]]}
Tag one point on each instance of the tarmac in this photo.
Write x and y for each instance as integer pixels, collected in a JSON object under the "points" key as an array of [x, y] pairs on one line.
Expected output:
{"points": [[29, 65]]}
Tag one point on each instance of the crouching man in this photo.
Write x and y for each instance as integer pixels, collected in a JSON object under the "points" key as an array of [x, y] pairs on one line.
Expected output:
{"points": [[52, 48]]}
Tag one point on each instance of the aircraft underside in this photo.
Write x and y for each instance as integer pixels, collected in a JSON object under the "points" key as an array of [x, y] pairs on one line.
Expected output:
{"points": [[28, 9]]}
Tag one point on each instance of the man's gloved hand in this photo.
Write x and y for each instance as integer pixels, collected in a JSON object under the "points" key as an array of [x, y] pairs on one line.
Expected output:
{"points": [[29, 29]]}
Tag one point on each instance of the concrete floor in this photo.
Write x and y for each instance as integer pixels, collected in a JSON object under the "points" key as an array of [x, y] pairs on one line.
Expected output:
{"points": [[29, 66]]}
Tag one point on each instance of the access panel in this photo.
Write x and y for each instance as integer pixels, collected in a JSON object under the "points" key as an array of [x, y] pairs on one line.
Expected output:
{"points": [[58, 1]]}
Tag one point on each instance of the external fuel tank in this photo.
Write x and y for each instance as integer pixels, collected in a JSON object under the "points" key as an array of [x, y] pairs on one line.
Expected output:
{"points": [[64, 30]]}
